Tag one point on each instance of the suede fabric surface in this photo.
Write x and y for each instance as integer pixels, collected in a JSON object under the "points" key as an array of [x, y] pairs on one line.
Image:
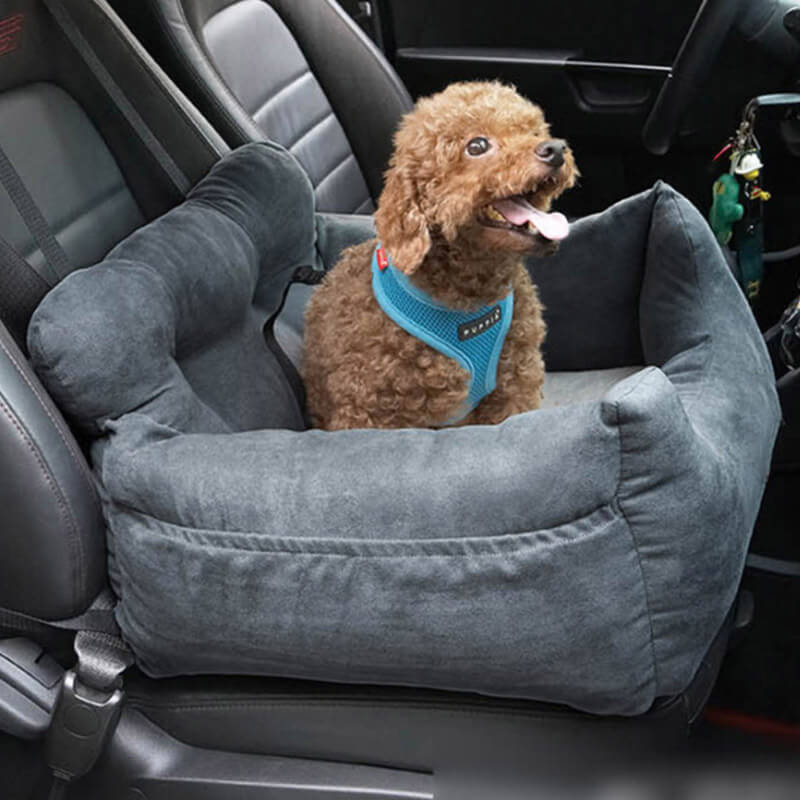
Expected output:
{"points": [[584, 554]]}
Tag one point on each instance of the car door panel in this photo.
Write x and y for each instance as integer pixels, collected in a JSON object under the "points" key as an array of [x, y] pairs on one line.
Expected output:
{"points": [[596, 67], [592, 65], [610, 98]]}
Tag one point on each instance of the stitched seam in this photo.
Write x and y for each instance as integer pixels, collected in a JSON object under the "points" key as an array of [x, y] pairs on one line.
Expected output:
{"points": [[308, 131], [335, 169], [367, 704], [634, 540], [375, 54], [79, 461], [61, 501], [370, 546], [97, 202], [264, 104], [465, 708]]}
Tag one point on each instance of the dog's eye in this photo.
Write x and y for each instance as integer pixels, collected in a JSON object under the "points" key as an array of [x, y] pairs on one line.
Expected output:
{"points": [[478, 146]]}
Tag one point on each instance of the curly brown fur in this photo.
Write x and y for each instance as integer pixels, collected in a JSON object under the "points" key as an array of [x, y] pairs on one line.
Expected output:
{"points": [[361, 369]]}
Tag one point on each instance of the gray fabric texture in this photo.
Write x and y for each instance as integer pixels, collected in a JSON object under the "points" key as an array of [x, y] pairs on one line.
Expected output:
{"points": [[565, 388], [584, 554]]}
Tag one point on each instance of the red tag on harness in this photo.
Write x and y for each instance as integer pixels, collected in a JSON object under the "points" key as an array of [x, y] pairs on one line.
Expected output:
{"points": [[383, 259]]}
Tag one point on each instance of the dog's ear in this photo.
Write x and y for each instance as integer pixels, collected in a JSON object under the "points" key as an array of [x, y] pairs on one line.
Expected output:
{"points": [[400, 222]]}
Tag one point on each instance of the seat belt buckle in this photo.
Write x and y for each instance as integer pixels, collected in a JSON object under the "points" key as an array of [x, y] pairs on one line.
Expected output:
{"points": [[83, 721]]}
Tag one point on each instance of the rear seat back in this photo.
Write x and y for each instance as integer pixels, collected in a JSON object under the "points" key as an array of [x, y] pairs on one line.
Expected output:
{"points": [[94, 180]]}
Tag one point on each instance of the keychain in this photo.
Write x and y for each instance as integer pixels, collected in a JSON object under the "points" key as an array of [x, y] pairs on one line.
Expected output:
{"points": [[726, 210], [748, 241], [737, 209]]}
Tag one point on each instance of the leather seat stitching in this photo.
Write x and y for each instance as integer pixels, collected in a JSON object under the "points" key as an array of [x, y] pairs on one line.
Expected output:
{"points": [[366, 206], [367, 704], [61, 500], [96, 203], [262, 104], [308, 131], [374, 53], [79, 461], [335, 168], [201, 84]]}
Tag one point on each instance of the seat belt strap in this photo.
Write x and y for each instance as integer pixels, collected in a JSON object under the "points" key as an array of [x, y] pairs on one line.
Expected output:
{"points": [[94, 619], [102, 655], [102, 658], [22, 286], [90, 698], [73, 34], [21, 290], [86, 714], [310, 277], [56, 259]]}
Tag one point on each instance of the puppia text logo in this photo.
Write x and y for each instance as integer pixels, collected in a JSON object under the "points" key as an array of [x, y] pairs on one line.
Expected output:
{"points": [[478, 326], [10, 33]]}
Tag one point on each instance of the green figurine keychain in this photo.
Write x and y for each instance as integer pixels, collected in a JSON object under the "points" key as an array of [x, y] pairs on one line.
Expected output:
{"points": [[737, 208], [725, 207]]}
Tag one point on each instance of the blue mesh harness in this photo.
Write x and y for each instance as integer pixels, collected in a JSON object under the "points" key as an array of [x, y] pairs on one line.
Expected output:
{"points": [[473, 338]]}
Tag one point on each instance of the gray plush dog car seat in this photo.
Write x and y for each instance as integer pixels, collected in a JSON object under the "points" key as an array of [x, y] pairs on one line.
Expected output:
{"points": [[585, 553]]}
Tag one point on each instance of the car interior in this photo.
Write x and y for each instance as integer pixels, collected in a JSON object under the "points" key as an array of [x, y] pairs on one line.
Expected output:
{"points": [[116, 117]]}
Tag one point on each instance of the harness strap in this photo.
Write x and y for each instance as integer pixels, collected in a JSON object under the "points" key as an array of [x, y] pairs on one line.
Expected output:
{"points": [[311, 277], [473, 339]]}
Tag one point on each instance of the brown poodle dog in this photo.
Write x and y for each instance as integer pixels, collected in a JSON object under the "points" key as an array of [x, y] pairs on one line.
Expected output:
{"points": [[473, 173]]}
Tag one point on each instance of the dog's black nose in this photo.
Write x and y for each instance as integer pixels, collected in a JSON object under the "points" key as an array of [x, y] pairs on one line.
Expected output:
{"points": [[551, 153]]}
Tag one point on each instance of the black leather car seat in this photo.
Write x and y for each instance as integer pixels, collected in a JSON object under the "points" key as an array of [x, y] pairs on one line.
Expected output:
{"points": [[94, 178], [94, 181], [300, 73]]}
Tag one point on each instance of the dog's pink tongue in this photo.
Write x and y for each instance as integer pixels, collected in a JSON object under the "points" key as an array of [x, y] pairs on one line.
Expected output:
{"points": [[517, 211]]}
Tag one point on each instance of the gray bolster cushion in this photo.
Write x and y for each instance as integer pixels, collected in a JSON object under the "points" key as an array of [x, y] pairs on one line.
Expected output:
{"points": [[585, 554]]}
